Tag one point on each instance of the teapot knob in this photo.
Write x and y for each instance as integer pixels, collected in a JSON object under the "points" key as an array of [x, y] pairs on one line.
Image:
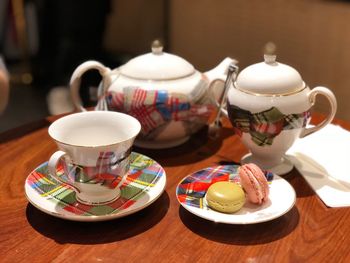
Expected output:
{"points": [[157, 47], [270, 53]]}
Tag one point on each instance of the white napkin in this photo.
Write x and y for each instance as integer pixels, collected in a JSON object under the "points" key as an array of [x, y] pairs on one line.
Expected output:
{"points": [[323, 159]]}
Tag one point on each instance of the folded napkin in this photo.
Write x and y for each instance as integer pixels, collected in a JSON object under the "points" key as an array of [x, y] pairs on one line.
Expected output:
{"points": [[323, 159]]}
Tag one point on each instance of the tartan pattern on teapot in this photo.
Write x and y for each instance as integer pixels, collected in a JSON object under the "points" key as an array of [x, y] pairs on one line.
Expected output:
{"points": [[155, 108], [266, 125]]}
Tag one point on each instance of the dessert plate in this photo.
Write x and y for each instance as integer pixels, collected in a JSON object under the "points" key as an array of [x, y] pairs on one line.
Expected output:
{"points": [[145, 182], [191, 192]]}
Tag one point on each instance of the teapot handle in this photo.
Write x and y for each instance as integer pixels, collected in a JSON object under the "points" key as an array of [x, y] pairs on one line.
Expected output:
{"points": [[76, 80], [333, 108]]}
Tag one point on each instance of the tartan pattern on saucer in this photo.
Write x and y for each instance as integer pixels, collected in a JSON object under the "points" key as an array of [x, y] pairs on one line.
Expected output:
{"points": [[266, 125], [143, 174], [192, 189]]}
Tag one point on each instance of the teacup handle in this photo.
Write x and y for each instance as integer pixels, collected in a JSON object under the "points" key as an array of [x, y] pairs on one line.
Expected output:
{"points": [[52, 166], [75, 80], [333, 105]]}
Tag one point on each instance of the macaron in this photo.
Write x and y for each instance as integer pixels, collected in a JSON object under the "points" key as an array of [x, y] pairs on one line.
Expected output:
{"points": [[254, 183], [225, 197]]}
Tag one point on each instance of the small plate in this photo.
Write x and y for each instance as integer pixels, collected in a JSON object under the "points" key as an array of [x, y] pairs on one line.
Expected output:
{"points": [[191, 192], [145, 182]]}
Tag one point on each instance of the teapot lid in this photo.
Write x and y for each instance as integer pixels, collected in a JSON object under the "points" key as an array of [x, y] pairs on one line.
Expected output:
{"points": [[269, 78], [157, 65]]}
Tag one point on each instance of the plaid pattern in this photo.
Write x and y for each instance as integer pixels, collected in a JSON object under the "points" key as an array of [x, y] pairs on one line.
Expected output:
{"points": [[107, 172], [266, 125], [155, 108], [144, 173], [192, 189]]}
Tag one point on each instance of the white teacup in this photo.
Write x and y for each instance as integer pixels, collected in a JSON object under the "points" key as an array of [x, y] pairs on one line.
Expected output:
{"points": [[94, 149]]}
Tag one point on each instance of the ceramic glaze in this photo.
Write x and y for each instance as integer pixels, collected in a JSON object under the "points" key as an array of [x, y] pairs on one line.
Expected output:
{"points": [[269, 107], [145, 182], [191, 191], [94, 129], [164, 92], [97, 161]]}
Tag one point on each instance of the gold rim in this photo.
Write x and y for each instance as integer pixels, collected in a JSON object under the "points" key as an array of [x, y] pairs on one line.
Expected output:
{"points": [[92, 146], [112, 144], [271, 95]]}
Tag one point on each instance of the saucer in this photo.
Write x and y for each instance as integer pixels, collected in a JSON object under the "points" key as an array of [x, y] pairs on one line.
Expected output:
{"points": [[191, 192], [145, 182], [280, 169], [160, 144]]}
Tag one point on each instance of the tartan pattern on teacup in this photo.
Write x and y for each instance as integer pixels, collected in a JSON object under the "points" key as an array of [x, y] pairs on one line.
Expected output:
{"points": [[154, 108], [266, 125], [143, 174], [108, 171], [192, 189]]}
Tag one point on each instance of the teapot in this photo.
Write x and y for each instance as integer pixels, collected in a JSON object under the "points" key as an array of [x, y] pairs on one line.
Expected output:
{"points": [[163, 91], [269, 106]]}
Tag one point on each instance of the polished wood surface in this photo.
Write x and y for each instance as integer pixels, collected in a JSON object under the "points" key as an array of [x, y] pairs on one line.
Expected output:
{"points": [[164, 231]]}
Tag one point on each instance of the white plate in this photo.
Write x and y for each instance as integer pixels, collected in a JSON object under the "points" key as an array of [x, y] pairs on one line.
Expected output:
{"points": [[56, 199], [191, 190]]}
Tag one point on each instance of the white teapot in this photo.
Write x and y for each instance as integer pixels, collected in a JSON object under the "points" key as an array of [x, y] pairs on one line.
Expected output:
{"points": [[269, 106], [163, 91]]}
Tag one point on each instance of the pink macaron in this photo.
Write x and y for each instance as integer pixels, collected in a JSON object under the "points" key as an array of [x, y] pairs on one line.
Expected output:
{"points": [[254, 183]]}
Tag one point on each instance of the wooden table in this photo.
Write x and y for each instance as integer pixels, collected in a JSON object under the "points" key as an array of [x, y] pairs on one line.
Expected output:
{"points": [[164, 231]]}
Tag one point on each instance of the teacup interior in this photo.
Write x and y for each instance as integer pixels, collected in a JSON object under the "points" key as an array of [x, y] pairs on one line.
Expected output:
{"points": [[94, 128]]}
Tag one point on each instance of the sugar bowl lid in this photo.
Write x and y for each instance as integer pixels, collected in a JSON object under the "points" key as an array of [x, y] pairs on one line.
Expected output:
{"points": [[269, 78], [157, 65]]}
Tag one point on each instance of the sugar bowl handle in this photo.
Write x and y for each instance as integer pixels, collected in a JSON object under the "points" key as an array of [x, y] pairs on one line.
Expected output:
{"points": [[75, 80], [333, 108]]}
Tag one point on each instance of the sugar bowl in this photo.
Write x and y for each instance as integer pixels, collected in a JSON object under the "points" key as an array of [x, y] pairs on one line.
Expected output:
{"points": [[269, 106]]}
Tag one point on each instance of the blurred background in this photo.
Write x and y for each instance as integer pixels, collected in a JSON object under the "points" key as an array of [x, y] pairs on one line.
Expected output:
{"points": [[43, 41]]}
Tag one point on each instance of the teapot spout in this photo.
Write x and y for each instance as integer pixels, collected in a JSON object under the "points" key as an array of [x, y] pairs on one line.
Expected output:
{"points": [[217, 77], [221, 70]]}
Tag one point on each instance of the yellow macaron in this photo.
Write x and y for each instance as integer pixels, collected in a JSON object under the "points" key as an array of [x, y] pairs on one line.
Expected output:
{"points": [[226, 197]]}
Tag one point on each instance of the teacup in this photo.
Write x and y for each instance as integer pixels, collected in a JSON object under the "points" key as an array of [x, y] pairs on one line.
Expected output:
{"points": [[94, 149]]}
